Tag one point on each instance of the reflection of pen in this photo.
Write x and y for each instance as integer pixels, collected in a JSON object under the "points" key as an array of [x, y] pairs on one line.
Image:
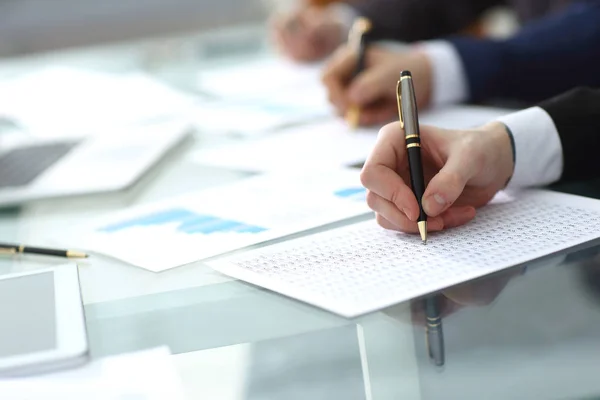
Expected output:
{"points": [[409, 121], [358, 39], [434, 334], [21, 249]]}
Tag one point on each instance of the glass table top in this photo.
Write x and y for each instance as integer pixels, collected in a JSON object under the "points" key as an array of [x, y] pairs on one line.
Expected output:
{"points": [[525, 333]]}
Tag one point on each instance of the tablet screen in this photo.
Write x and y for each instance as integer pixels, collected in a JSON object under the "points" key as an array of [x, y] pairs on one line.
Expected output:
{"points": [[28, 314]]}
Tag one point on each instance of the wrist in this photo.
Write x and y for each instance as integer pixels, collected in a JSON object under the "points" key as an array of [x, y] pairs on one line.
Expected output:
{"points": [[502, 150]]}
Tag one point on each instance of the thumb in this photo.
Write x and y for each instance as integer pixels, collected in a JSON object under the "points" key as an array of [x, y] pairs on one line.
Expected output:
{"points": [[447, 186], [369, 86]]}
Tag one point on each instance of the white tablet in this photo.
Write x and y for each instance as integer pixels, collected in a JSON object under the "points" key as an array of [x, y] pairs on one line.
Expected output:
{"points": [[42, 321]]}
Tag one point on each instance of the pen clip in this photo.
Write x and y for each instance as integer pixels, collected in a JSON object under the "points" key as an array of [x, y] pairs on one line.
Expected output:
{"points": [[8, 251], [399, 100]]}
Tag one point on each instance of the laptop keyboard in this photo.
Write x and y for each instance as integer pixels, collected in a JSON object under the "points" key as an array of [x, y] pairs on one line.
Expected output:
{"points": [[21, 166]]}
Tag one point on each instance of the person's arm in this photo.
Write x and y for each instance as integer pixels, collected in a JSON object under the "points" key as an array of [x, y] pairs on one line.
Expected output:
{"points": [[412, 20], [558, 140], [547, 57]]}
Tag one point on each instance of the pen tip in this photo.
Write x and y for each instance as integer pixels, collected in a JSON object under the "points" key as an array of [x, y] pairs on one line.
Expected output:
{"points": [[423, 230], [76, 254], [353, 117]]}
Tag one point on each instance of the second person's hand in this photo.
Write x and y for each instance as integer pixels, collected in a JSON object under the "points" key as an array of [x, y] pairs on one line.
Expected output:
{"points": [[463, 170], [374, 90], [308, 34]]}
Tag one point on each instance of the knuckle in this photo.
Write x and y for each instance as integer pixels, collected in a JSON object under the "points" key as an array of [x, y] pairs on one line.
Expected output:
{"points": [[366, 177], [396, 197], [372, 200], [453, 179]]}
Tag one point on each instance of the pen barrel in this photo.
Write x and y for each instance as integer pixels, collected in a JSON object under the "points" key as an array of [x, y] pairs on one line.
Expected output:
{"points": [[44, 252], [361, 55], [434, 331], [417, 181], [435, 344]]}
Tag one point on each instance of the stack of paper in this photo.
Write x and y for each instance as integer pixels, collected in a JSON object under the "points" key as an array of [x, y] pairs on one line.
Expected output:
{"points": [[145, 375], [187, 229]]}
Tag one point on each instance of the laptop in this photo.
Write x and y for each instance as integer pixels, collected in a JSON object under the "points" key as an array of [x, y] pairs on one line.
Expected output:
{"points": [[34, 169]]}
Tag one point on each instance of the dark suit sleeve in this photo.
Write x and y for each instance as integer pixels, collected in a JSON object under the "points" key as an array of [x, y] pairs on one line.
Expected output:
{"points": [[576, 115], [411, 20], [546, 58]]}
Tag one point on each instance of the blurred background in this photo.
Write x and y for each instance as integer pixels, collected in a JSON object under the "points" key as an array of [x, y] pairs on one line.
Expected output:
{"points": [[40, 25], [28, 26]]}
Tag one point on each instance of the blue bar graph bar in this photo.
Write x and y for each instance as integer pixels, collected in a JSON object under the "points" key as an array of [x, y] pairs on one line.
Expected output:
{"points": [[159, 218], [250, 229], [214, 226], [187, 222], [353, 193]]}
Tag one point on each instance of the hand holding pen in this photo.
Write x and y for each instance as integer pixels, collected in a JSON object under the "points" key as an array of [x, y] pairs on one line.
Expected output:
{"points": [[462, 170]]}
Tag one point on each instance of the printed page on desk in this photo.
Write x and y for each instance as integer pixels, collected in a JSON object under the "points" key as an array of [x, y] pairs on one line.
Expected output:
{"points": [[319, 145], [362, 268], [187, 229], [58, 101], [328, 143], [274, 88]]}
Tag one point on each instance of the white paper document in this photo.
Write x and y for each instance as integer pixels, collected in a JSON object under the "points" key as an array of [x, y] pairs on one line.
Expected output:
{"points": [[60, 101], [329, 143], [187, 229], [270, 86], [249, 118], [144, 375], [362, 267], [315, 146]]}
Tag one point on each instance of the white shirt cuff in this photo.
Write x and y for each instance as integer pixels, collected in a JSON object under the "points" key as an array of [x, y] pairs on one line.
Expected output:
{"points": [[345, 14], [449, 79], [539, 157]]}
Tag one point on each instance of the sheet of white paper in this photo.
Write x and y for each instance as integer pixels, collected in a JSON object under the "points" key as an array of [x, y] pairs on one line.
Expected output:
{"points": [[328, 143], [362, 267], [271, 87], [262, 76], [144, 375], [57, 101], [184, 230], [250, 118], [320, 145]]}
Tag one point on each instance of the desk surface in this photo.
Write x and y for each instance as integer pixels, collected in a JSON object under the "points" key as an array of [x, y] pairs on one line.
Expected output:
{"points": [[519, 334]]}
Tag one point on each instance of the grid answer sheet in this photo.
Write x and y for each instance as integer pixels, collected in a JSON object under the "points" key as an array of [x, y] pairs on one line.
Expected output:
{"points": [[362, 268]]}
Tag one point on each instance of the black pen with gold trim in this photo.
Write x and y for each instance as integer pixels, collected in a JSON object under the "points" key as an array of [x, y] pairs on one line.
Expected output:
{"points": [[14, 249], [409, 120]]}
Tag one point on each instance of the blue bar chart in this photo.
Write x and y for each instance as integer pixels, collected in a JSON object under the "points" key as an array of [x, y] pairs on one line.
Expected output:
{"points": [[187, 222], [352, 193]]}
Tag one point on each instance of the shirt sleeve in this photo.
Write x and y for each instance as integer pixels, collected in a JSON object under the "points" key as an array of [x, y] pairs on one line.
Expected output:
{"points": [[449, 79], [538, 148]]}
